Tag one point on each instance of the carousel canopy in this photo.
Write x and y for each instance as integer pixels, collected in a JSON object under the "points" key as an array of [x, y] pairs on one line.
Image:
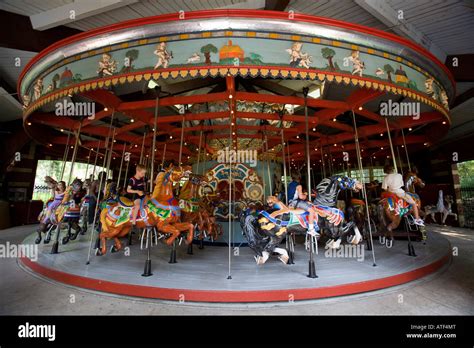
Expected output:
{"points": [[236, 78]]}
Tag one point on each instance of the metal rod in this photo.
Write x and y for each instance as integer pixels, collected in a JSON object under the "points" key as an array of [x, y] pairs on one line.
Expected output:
{"points": [[95, 161], [322, 160], [400, 162], [164, 154], [289, 159], [109, 160], [199, 152], [181, 141], [66, 152], [406, 150], [74, 153], [126, 172], [284, 162], [121, 164], [391, 146], [100, 188], [308, 162], [229, 276], [153, 145], [88, 160], [268, 166], [364, 193], [142, 149]]}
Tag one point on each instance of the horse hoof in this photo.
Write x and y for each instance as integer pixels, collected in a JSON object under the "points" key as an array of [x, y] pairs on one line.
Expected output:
{"points": [[98, 252], [38, 240], [260, 260], [284, 259], [66, 240], [329, 243], [113, 249]]}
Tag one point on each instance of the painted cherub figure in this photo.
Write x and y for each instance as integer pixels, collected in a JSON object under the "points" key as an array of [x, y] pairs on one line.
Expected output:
{"points": [[358, 66], [297, 57], [38, 89], [163, 55], [107, 66]]}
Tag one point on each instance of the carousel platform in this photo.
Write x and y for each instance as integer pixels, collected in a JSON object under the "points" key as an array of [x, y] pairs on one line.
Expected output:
{"points": [[203, 276]]}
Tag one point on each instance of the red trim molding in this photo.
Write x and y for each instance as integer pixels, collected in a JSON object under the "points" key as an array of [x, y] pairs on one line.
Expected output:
{"points": [[234, 296], [235, 13]]}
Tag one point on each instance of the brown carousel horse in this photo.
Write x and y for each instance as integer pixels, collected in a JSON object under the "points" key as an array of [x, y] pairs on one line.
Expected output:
{"points": [[195, 210], [391, 209], [160, 210]]}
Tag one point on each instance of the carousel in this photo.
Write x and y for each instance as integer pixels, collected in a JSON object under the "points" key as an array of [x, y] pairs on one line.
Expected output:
{"points": [[224, 112]]}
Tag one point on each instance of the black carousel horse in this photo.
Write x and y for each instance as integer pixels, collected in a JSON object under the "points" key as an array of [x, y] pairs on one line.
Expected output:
{"points": [[266, 229]]}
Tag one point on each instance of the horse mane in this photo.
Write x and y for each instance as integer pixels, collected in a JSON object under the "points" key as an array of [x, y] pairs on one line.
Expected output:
{"points": [[158, 184], [185, 192]]}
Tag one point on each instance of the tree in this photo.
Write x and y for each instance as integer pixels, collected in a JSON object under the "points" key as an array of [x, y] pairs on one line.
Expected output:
{"points": [[207, 50], [131, 55], [389, 70], [328, 54], [55, 80], [256, 57]]}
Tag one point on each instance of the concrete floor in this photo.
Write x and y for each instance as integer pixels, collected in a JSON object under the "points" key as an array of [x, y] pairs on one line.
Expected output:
{"points": [[447, 292]]}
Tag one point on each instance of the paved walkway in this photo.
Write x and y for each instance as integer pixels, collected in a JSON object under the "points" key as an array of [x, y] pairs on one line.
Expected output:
{"points": [[448, 292]]}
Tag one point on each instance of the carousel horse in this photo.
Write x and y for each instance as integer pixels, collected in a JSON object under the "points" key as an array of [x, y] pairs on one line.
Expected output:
{"points": [[64, 208], [70, 210], [160, 210], [444, 207], [85, 204], [195, 210], [47, 217], [391, 209], [266, 229], [165, 207], [325, 203]]}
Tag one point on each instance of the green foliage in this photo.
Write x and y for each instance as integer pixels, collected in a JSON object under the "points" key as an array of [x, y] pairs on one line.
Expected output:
{"points": [[466, 173], [328, 52], [388, 68], [209, 48], [132, 54]]}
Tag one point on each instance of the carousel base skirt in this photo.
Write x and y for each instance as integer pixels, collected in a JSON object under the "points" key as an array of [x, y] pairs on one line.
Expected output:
{"points": [[204, 276]]}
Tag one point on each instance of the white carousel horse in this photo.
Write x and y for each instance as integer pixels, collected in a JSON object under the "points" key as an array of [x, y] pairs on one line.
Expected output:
{"points": [[443, 206]]}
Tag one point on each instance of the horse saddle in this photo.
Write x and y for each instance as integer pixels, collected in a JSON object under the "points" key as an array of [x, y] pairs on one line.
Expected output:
{"points": [[356, 201], [125, 202], [396, 203]]}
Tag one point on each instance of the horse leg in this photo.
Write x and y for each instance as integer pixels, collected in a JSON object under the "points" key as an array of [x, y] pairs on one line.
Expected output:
{"points": [[117, 245], [39, 231], [77, 229], [102, 248], [284, 257], [167, 228], [68, 235]]}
